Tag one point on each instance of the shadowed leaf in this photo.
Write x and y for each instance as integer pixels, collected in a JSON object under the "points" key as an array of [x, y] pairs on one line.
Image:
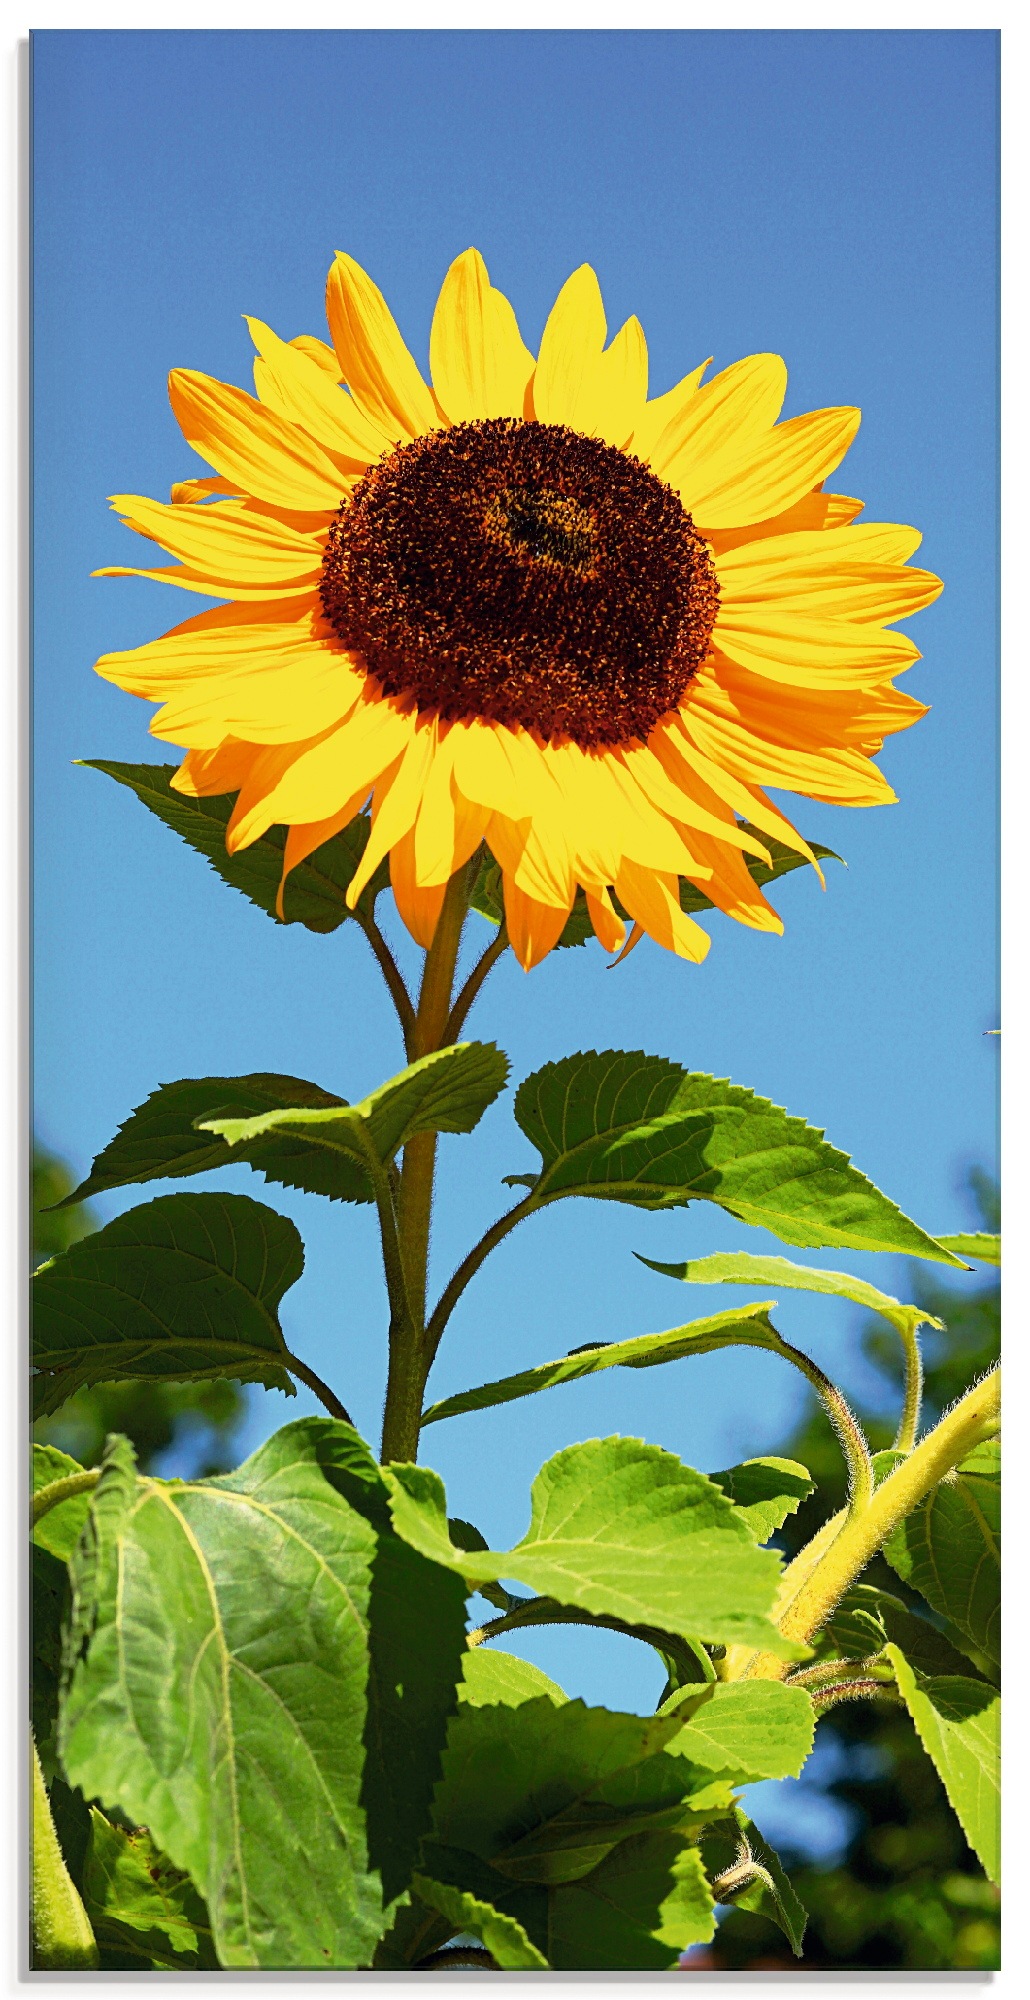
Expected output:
{"points": [[959, 1725]]}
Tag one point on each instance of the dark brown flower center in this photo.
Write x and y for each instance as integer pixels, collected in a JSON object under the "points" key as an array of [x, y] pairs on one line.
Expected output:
{"points": [[522, 573]]}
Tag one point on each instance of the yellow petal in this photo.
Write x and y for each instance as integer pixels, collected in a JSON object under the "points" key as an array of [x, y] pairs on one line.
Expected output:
{"points": [[317, 350], [480, 363], [395, 804], [240, 438], [375, 363], [817, 510], [502, 769], [207, 774], [665, 410], [212, 586], [673, 745], [190, 492], [723, 420], [804, 651], [770, 476], [226, 539], [304, 840], [419, 908], [448, 829], [301, 390], [620, 388], [653, 900], [533, 928], [609, 928], [570, 350], [310, 781], [682, 807]]}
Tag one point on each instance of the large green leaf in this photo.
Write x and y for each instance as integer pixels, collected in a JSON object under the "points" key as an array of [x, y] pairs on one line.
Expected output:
{"points": [[490, 1675], [739, 1268], [316, 891], [867, 1618], [186, 1288], [625, 1126], [749, 1326], [577, 1823], [221, 1690], [768, 1893], [622, 1529], [949, 1548], [745, 1730], [447, 1091], [765, 1491], [146, 1914], [160, 1139], [959, 1726]]}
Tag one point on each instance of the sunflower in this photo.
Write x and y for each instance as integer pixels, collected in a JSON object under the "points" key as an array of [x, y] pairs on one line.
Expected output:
{"points": [[525, 606]]}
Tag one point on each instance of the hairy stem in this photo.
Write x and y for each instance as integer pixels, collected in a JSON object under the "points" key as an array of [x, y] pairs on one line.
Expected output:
{"points": [[62, 1489], [62, 1935], [468, 1267], [474, 984], [325, 1395], [409, 1362], [975, 1417], [392, 974], [909, 1424]]}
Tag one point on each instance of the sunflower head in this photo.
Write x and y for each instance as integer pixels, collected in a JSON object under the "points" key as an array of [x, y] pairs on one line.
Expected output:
{"points": [[528, 607]]}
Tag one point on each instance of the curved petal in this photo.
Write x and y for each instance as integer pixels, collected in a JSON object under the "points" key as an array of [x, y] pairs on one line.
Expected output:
{"points": [[816, 511], [300, 389], [205, 774], [609, 928], [395, 803], [720, 423], [310, 781], [305, 839], [320, 351], [375, 363], [533, 928], [620, 388], [664, 410], [805, 651], [772, 475], [419, 908], [240, 438], [480, 364], [570, 351], [653, 901], [225, 539]]}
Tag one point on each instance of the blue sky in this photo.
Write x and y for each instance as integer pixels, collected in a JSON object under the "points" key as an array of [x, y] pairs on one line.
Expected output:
{"points": [[830, 196]]}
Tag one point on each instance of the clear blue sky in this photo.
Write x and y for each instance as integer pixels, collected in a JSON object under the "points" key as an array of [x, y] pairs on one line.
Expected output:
{"points": [[828, 196]]}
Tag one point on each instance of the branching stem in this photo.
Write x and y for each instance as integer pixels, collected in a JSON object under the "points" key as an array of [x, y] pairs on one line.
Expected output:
{"points": [[325, 1395], [909, 1424], [394, 979], [474, 984], [467, 1269]]}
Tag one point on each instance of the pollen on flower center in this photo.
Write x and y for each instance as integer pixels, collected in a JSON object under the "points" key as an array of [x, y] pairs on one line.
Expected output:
{"points": [[522, 573]]}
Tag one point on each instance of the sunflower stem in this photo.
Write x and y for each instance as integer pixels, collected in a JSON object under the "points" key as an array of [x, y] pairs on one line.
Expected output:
{"points": [[394, 980], [62, 1935], [473, 986], [409, 1360]]}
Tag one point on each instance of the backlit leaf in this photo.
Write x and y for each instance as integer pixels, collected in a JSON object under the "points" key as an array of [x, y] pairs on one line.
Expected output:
{"points": [[146, 1914], [618, 1528], [447, 1091], [315, 893], [490, 1675], [631, 1127], [745, 1729], [186, 1289], [748, 1327], [959, 1725], [738, 1268], [765, 1491], [502, 1936], [979, 1248], [949, 1548]]}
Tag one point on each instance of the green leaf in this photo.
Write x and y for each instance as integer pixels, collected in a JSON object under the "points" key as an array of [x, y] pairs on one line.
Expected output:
{"points": [[769, 1893], [502, 1936], [738, 1268], [576, 1823], [959, 1725], [447, 1091], [631, 1127], [620, 1529], [315, 894], [59, 1529], [184, 1289], [146, 1914], [981, 1248], [765, 1491], [262, 1674], [748, 1326], [745, 1730], [867, 1618], [159, 1140], [490, 1676], [949, 1549]]}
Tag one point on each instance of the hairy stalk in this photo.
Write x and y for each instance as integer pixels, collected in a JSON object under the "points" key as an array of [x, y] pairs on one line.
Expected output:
{"points": [[468, 1267], [62, 1489], [855, 1689], [395, 982], [848, 1431], [62, 1935], [410, 1218], [474, 984], [975, 1417], [909, 1425], [325, 1395]]}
